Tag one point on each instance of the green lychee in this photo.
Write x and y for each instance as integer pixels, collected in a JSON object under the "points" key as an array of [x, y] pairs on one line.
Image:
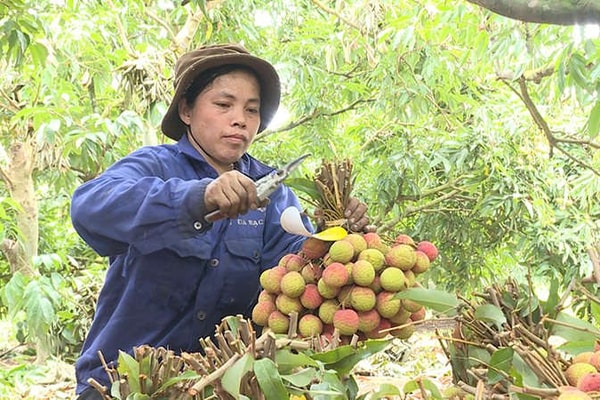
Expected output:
{"points": [[335, 274], [387, 305], [310, 325], [311, 299], [411, 305], [266, 296], [288, 305], [278, 322], [393, 280], [341, 251], [270, 279], [401, 317], [292, 284], [327, 310], [346, 321], [328, 292], [401, 256], [362, 298], [576, 371], [358, 242], [422, 262], [374, 256], [363, 273], [374, 241], [405, 332], [261, 312]]}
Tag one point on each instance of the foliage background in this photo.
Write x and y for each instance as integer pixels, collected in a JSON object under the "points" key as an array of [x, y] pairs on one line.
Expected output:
{"points": [[465, 128]]}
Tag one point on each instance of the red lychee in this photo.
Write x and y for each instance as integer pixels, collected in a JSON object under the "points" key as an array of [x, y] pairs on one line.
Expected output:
{"points": [[292, 262], [428, 248], [311, 298], [376, 333], [346, 321], [404, 239], [311, 273], [368, 320], [589, 382], [335, 275], [313, 248]]}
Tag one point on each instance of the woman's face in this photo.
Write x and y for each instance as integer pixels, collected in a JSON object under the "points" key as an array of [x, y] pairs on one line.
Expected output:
{"points": [[224, 118]]}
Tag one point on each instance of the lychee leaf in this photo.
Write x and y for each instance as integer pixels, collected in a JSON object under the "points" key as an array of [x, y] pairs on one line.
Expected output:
{"points": [[370, 347], [414, 385], [128, 366], [575, 331], [490, 313], [287, 361], [301, 378], [269, 380], [437, 300], [335, 355], [384, 391], [233, 376], [500, 365]]}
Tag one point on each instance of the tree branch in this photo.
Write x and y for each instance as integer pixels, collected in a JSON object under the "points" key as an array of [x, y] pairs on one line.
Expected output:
{"points": [[337, 15], [557, 12]]}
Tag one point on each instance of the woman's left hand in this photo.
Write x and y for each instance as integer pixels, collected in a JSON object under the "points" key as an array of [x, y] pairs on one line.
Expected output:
{"points": [[356, 214]]}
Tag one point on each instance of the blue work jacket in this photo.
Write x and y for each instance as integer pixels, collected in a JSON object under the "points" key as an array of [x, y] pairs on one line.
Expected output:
{"points": [[172, 276]]}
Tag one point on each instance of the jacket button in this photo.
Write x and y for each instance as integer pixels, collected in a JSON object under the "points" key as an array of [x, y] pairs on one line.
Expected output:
{"points": [[201, 315], [197, 225], [214, 262]]}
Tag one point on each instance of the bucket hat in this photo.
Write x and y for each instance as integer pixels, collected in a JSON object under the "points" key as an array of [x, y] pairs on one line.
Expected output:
{"points": [[190, 65]]}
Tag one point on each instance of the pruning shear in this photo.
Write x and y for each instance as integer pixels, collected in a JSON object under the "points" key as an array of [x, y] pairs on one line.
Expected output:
{"points": [[267, 184]]}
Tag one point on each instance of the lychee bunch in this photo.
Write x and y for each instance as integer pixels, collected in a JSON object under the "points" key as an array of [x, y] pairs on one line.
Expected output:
{"points": [[583, 373], [348, 285]]}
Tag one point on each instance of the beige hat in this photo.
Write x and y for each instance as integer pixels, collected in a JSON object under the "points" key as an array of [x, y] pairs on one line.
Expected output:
{"points": [[190, 65]]}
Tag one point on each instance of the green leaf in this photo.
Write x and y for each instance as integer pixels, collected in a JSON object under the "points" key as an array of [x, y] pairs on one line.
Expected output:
{"points": [[574, 330], [301, 378], [129, 367], [594, 121], [334, 355], [370, 347], [186, 375], [501, 361], [434, 299], [385, 390], [490, 313], [269, 380], [232, 378], [288, 361]]}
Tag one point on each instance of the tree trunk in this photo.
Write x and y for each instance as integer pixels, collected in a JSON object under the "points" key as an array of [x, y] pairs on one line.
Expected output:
{"points": [[556, 12], [19, 181]]}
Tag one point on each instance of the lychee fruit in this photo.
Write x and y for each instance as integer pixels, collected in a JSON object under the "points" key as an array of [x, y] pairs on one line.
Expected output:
{"points": [[404, 239], [375, 286], [292, 284], [261, 312], [403, 333], [358, 242], [377, 332], [589, 382], [428, 248], [345, 295], [368, 320], [401, 256], [341, 251], [311, 273], [311, 299], [393, 280], [576, 371], [270, 279], [327, 310], [313, 248], [346, 321], [278, 322], [595, 359], [401, 317], [374, 242], [387, 305], [584, 356], [363, 273], [292, 262], [411, 278], [374, 256], [310, 325], [288, 305], [266, 296], [328, 292], [418, 315], [362, 298], [335, 274], [422, 262], [411, 305], [574, 394]]}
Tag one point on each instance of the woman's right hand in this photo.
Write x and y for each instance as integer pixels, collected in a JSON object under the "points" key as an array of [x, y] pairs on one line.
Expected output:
{"points": [[232, 194]]}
